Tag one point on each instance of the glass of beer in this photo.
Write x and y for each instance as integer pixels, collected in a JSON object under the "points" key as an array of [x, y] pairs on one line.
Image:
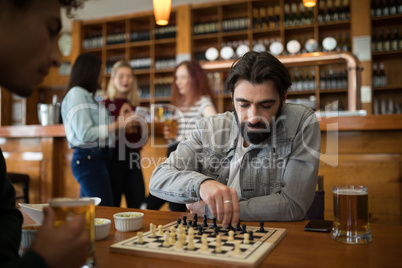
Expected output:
{"points": [[66, 208], [351, 215]]}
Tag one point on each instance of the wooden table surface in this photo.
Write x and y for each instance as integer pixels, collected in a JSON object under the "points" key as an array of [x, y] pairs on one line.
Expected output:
{"points": [[297, 249]]}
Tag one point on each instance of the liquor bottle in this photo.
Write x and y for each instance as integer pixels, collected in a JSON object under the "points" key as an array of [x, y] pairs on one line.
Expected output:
{"points": [[263, 16], [255, 18], [383, 77], [346, 42], [375, 75], [277, 12], [380, 40], [385, 8], [312, 79], [301, 16], [336, 10], [393, 8], [271, 20], [339, 43], [387, 41], [347, 8], [294, 15], [310, 16], [328, 14], [399, 6], [379, 8], [322, 81], [394, 42], [372, 8], [321, 12], [287, 16], [399, 42], [374, 42]]}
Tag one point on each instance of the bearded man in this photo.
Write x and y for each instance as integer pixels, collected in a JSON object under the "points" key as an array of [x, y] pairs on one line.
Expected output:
{"points": [[257, 163]]}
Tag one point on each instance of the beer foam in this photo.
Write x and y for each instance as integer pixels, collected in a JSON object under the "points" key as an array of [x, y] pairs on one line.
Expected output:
{"points": [[350, 192]]}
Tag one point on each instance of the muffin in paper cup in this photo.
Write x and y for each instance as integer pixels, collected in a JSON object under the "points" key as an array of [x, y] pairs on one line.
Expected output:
{"points": [[102, 227], [128, 221]]}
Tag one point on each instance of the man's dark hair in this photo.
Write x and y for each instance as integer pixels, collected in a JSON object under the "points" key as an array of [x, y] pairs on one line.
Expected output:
{"points": [[85, 72], [67, 4], [257, 68]]}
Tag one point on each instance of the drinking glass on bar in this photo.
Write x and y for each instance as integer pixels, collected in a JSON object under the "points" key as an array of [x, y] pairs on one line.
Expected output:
{"points": [[66, 208], [351, 215]]}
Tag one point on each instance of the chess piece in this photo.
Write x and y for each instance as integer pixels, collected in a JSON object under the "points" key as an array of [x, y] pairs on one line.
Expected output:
{"points": [[172, 238], [214, 225], [189, 223], [246, 238], [237, 247], [261, 230], [179, 242], [166, 243], [243, 229], [183, 237], [140, 240], [152, 228], [204, 243], [160, 228], [200, 230], [251, 235], [216, 232], [230, 227], [218, 246], [184, 220], [205, 224], [238, 228], [178, 223], [231, 235], [190, 245], [194, 223]]}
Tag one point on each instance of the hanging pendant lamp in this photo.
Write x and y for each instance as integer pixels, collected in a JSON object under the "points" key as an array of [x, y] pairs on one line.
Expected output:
{"points": [[162, 11], [309, 3]]}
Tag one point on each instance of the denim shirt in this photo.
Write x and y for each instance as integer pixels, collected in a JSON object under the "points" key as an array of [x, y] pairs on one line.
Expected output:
{"points": [[277, 178], [86, 122]]}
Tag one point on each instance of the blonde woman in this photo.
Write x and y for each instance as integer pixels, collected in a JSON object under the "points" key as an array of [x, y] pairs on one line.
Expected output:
{"points": [[126, 174]]}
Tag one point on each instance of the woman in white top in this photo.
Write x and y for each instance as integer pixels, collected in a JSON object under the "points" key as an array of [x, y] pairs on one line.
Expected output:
{"points": [[193, 96]]}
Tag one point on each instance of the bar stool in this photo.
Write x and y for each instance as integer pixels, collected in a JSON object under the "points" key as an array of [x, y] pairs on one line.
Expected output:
{"points": [[316, 211], [23, 179]]}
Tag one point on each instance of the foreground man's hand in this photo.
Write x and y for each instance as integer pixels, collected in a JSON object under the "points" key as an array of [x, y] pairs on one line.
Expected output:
{"points": [[222, 201], [65, 246]]}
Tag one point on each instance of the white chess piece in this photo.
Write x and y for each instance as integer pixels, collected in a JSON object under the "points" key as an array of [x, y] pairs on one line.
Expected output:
{"points": [[179, 242], [190, 245], [166, 243], [140, 240], [152, 229], [160, 228], [218, 246], [237, 247], [172, 238], [246, 238], [231, 236]]}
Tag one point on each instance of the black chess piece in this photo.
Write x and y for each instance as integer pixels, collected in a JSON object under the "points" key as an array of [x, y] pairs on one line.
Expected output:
{"points": [[194, 224], [199, 230], [243, 229], [214, 225], [205, 224], [251, 236], [230, 227], [216, 231], [261, 230], [184, 220], [178, 223], [238, 228], [195, 219], [189, 223]]}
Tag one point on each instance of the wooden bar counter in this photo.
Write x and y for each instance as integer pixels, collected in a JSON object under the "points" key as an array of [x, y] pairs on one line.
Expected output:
{"points": [[297, 249], [363, 150]]}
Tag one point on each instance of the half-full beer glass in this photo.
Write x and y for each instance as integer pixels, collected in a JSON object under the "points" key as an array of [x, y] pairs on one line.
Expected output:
{"points": [[66, 208], [351, 215]]}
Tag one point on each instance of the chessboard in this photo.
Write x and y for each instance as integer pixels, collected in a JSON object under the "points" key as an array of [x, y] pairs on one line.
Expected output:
{"points": [[232, 250]]}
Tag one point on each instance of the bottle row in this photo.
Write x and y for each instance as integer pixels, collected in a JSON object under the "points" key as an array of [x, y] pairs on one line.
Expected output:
{"points": [[383, 40], [266, 18], [331, 79], [303, 79], [297, 15], [333, 10], [379, 76], [386, 106], [385, 8]]}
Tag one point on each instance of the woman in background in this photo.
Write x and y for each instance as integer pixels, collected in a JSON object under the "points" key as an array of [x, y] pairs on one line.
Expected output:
{"points": [[88, 129], [193, 96], [126, 174]]}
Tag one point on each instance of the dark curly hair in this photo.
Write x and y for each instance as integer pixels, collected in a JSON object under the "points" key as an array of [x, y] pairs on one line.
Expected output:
{"points": [[69, 5], [258, 67]]}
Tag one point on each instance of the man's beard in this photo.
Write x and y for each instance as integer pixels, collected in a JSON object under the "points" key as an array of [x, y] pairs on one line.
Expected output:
{"points": [[263, 128]]}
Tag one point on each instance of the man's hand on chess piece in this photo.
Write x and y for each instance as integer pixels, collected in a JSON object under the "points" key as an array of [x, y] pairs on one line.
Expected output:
{"points": [[222, 201], [197, 208], [65, 246]]}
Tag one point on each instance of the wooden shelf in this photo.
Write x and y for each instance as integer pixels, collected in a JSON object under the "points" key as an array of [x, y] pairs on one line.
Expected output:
{"points": [[391, 87]]}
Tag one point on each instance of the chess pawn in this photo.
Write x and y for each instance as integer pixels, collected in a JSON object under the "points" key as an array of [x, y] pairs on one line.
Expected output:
{"points": [[231, 236], [246, 238], [166, 243], [237, 247], [152, 228], [172, 238], [179, 243], [140, 240], [160, 228], [204, 244], [218, 246], [190, 245]]}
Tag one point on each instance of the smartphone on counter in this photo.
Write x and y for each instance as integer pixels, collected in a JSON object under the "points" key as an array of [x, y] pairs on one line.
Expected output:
{"points": [[319, 226]]}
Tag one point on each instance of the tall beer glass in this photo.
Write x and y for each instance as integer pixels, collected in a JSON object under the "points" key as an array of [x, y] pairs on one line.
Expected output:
{"points": [[351, 215], [66, 208]]}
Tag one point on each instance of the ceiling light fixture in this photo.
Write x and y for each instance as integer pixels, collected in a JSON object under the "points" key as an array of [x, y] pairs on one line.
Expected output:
{"points": [[308, 3], [162, 11]]}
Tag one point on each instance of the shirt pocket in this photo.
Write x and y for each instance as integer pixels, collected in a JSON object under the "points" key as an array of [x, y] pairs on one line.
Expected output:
{"points": [[273, 165], [211, 163]]}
